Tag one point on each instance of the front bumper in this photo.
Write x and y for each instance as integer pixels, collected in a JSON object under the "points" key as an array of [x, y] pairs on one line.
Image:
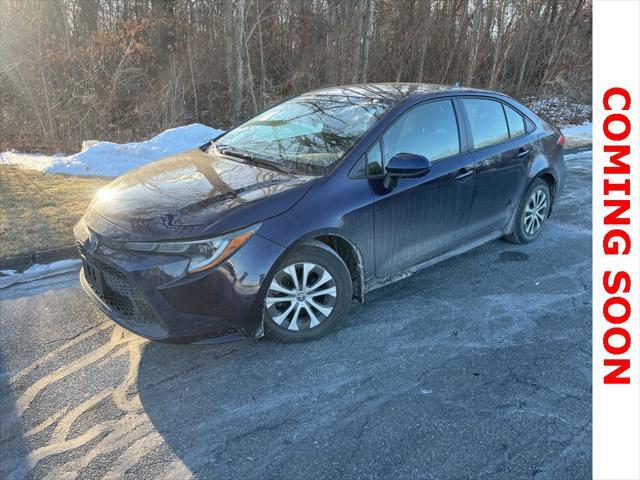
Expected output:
{"points": [[150, 295]]}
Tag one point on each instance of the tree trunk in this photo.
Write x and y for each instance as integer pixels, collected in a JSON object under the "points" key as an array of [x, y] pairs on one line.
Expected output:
{"points": [[331, 68], [559, 44], [250, 80], [165, 10], [263, 70], [57, 23], [424, 43], [357, 53], [193, 81], [233, 35], [523, 65], [87, 17], [476, 23], [367, 40], [493, 77], [461, 31]]}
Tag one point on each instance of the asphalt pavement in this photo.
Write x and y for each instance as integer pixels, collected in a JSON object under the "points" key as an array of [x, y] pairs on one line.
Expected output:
{"points": [[477, 368]]}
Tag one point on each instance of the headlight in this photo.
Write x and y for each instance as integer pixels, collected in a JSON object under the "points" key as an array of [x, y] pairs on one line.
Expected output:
{"points": [[203, 253]]}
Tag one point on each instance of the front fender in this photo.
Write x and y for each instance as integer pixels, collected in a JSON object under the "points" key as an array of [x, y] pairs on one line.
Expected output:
{"points": [[336, 207]]}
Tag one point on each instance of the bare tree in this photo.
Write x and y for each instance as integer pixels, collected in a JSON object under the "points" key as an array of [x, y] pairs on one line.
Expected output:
{"points": [[331, 44], [368, 34], [234, 42], [122, 69]]}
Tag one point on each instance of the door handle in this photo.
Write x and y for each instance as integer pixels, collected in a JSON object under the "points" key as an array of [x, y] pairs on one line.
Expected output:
{"points": [[464, 173], [522, 153]]}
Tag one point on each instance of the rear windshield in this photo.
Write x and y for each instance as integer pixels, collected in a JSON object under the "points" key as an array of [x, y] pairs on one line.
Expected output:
{"points": [[308, 134]]}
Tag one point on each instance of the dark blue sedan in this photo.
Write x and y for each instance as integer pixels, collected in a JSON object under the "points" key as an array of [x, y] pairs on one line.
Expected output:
{"points": [[275, 227]]}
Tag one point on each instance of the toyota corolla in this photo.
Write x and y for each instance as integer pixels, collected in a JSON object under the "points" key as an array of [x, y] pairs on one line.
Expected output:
{"points": [[277, 226]]}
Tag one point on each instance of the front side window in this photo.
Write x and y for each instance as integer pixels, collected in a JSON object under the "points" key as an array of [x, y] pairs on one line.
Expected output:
{"points": [[374, 160], [486, 120], [308, 134], [430, 130]]}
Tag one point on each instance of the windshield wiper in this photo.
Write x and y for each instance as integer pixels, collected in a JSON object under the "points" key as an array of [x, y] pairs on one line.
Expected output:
{"points": [[252, 157]]}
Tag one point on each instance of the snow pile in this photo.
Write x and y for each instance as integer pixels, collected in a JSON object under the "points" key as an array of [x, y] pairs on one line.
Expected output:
{"points": [[577, 135], [38, 271], [108, 159]]}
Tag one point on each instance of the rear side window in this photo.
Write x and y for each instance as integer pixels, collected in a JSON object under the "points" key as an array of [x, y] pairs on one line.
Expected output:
{"points": [[430, 130], [516, 123], [487, 121]]}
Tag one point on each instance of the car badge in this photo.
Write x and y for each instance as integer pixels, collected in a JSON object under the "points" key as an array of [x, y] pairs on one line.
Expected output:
{"points": [[92, 244]]}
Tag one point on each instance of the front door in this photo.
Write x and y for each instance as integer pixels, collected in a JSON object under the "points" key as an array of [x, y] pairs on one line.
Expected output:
{"points": [[422, 217]]}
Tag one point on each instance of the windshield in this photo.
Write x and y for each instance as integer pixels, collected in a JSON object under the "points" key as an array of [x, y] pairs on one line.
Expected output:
{"points": [[308, 134]]}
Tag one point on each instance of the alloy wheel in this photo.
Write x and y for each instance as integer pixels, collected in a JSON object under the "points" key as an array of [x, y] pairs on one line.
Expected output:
{"points": [[301, 296], [535, 212]]}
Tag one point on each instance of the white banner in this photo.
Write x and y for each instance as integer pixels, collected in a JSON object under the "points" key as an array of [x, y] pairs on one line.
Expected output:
{"points": [[616, 239]]}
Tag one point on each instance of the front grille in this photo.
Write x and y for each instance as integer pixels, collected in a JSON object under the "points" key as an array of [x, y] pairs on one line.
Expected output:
{"points": [[80, 247], [119, 295]]}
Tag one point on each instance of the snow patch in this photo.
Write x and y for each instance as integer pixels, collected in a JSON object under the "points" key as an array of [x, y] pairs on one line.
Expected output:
{"points": [[107, 159], [577, 135], [579, 157], [38, 271], [559, 110], [31, 161]]}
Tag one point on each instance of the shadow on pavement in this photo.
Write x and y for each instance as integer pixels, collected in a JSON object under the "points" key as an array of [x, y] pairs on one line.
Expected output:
{"points": [[12, 466], [479, 366]]}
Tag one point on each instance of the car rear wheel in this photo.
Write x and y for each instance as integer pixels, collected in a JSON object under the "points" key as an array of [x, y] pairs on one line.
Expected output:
{"points": [[532, 213], [310, 291]]}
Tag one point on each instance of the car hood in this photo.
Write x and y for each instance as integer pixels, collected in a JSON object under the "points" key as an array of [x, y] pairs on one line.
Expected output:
{"points": [[195, 194]]}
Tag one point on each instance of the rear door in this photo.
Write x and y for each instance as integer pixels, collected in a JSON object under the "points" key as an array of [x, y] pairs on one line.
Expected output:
{"points": [[421, 217], [502, 151]]}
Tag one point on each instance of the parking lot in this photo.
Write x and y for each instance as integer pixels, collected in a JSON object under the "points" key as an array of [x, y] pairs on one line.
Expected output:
{"points": [[479, 367]]}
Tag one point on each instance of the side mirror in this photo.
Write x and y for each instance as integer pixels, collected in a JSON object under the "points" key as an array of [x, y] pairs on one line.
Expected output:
{"points": [[405, 165], [408, 165]]}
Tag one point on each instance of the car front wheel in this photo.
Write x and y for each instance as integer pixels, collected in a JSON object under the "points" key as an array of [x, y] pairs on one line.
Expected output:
{"points": [[310, 291]]}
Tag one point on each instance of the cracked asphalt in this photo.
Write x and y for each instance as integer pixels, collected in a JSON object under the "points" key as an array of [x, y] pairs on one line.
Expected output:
{"points": [[477, 368]]}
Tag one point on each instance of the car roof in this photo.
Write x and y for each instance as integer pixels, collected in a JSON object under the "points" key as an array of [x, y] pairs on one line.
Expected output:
{"points": [[395, 92]]}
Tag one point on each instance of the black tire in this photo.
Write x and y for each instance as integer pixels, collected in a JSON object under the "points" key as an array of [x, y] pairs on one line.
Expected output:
{"points": [[519, 233], [320, 255]]}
